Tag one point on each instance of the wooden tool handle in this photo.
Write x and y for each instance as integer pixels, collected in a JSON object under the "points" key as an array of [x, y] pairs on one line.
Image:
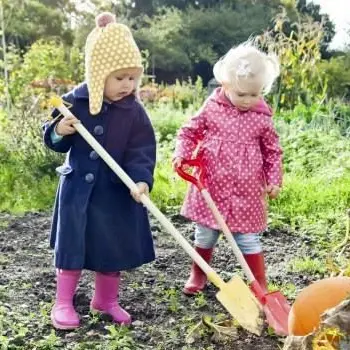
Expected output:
{"points": [[211, 274], [228, 234]]}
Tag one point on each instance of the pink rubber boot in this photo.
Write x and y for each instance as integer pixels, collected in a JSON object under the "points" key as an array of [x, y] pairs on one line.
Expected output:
{"points": [[105, 299], [63, 315]]}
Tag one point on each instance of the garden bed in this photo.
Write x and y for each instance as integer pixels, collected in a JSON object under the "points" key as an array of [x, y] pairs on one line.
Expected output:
{"points": [[163, 317]]}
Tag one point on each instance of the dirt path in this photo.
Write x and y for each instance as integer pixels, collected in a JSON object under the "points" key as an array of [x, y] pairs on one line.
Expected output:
{"points": [[152, 294]]}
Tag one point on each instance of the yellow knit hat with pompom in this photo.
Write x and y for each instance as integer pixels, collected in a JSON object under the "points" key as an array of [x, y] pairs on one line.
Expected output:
{"points": [[109, 47]]}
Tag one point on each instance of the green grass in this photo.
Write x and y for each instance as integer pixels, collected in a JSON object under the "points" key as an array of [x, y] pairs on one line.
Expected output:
{"points": [[308, 265], [313, 206], [289, 290], [169, 189]]}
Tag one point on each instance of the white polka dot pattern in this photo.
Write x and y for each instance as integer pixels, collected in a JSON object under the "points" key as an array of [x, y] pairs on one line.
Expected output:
{"points": [[241, 151], [108, 49]]}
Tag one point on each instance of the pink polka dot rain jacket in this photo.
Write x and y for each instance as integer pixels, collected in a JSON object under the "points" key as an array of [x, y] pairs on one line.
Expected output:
{"points": [[242, 155]]}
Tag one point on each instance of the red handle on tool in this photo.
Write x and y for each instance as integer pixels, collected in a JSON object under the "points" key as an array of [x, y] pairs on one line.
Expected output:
{"points": [[194, 163]]}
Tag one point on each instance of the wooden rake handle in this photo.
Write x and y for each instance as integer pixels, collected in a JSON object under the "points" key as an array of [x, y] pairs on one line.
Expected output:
{"points": [[146, 201]]}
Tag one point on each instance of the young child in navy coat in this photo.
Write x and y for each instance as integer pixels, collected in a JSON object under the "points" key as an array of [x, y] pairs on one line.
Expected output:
{"points": [[97, 225]]}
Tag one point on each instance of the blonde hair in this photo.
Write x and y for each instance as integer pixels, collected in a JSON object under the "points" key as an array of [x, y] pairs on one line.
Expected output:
{"points": [[246, 61]]}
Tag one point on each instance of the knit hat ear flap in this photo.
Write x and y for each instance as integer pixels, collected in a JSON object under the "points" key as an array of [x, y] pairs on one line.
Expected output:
{"points": [[109, 47]]}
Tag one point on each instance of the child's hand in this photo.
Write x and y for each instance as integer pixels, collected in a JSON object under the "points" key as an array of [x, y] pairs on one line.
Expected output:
{"points": [[273, 191], [177, 162], [142, 189], [65, 126]]}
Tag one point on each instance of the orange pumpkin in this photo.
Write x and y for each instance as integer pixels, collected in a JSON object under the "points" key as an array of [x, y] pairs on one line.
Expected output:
{"points": [[313, 301]]}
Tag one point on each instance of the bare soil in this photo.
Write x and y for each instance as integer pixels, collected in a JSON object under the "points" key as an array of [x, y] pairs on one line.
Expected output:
{"points": [[163, 316]]}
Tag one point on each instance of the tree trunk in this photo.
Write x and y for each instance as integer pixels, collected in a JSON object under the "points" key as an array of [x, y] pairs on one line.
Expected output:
{"points": [[4, 53]]}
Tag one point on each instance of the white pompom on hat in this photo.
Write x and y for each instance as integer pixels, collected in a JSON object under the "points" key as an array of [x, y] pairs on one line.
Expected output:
{"points": [[109, 47]]}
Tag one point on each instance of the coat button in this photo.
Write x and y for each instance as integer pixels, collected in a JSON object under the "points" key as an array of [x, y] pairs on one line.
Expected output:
{"points": [[89, 178], [98, 130], [93, 155]]}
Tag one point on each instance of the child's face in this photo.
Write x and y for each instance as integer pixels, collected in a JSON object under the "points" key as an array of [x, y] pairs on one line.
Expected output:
{"points": [[121, 83], [244, 95]]}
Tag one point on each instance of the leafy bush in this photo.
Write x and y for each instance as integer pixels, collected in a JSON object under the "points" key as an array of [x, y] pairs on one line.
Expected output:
{"points": [[169, 190], [337, 71], [331, 115], [25, 186], [48, 64], [181, 95], [311, 151], [27, 174], [167, 120]]}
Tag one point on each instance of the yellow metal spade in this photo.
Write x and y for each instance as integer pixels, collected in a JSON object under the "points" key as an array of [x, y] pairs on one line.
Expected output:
{"points": [[235, 295]]}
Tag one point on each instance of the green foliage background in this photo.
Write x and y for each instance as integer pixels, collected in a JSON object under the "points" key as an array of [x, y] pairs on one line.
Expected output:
{"points": [[44, 54]]}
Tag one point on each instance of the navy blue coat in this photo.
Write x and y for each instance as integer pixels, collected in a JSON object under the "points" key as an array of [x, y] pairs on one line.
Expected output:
{"points": [[97, 225]]}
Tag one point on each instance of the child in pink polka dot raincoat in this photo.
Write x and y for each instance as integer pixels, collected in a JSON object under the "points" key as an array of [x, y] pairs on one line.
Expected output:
{"points": [[234, 135]]}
